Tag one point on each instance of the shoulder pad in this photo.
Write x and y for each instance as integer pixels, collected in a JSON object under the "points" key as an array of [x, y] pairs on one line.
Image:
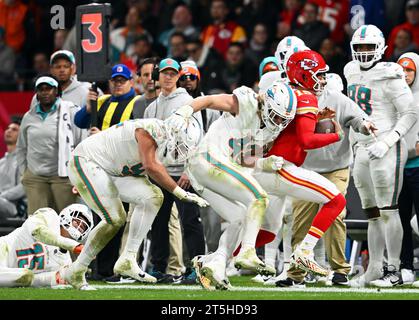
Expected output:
{"points": [[388, 70], [351, 68]]}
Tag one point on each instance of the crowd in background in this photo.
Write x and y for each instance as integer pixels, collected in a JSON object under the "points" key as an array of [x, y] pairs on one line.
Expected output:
{"points": [[251, 30]]}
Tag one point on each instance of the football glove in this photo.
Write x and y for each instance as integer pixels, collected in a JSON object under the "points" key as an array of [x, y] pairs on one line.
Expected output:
{"points": [[377, 150], [270, 164], [189, 197], [179, 119]]}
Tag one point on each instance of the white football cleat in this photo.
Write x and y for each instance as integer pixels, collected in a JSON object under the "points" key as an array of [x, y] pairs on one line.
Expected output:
{"points": [[215, 270], [127, 266], [304, 259], [203, 281], [247, 259], [87, 287], [391, 278], [364, 279], [415, 284], [74, 275], [408, 276]]}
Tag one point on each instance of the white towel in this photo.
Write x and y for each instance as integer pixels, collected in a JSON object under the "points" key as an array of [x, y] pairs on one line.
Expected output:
{"points": [[65, 137]]}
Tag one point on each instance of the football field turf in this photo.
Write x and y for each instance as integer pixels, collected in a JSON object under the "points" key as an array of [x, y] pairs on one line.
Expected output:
{"points": [[243, 289]]}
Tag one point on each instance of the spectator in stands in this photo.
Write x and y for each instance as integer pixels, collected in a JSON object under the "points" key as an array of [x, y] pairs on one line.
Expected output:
{"points": [[333, 56], [111, 109], [335, 15], [182, 22], [258, 45], [47, 137], [142, 50], [150, 87], [238, 71], [11, 189], [257, 11], [312, 31], [170, 99], [40, 65], [402, 44], [7, 61], [412, 24], [60, 37], [122, 39], [288, 18], [221, 32], [177, 47], [409, 196], [210, 64], [12, 18]]}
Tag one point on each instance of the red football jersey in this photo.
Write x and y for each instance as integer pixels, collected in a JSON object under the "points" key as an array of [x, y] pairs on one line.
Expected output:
{"points": [[299, 136]]}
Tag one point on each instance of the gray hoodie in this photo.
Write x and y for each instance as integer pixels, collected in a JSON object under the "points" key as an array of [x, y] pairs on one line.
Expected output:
{"points": [[337, 155], [412, 136], [163, 107]]}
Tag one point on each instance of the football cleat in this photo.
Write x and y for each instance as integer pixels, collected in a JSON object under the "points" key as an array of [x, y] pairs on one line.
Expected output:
{"points": [[408, 276], [289, 283], [202, 280], [126, 266], [261, 279], [304, 259], [74, 276], [391, 278], [215, 270], [248, 260], [118, 279]]}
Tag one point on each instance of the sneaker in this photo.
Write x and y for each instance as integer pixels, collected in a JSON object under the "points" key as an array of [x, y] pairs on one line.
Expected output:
{"points": [[289, 283], [247, 259], [391, 278], [128, 267], [161, 277], [215, 270], [202, 280], [261, 279], [340, 279], [188, 278], [310, 278], [118, 279], [304, 259], [408, 276]]}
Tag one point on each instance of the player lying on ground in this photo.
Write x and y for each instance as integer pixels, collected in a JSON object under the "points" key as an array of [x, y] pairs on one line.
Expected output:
{"points": [[32, 254]]}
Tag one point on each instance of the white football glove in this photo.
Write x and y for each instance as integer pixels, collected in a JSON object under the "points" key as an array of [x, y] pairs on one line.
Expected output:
{"points": [[179, 119], [270, 164], [190, 197], [377, 150]]}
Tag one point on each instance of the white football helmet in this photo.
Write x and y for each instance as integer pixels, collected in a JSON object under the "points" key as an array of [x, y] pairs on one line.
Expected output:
{"points": [[278, 100], [368, 34], [284, 46], [83, 217], [181, 144]]}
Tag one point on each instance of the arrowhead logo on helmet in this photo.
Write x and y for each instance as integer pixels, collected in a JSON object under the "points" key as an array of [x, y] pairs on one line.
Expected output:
{"points": [[308, 64]]}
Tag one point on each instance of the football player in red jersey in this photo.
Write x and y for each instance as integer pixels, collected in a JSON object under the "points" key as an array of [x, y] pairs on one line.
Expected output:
{"points": [[306, 72]]}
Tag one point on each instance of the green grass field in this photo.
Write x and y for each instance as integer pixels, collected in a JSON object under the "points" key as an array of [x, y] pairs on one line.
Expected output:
{"points": [[243, 289]]}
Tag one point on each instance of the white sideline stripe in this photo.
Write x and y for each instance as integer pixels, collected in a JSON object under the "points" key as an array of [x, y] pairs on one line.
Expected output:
{"points": [[307, 289]]}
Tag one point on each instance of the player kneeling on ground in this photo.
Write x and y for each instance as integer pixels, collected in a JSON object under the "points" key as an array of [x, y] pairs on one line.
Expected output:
{"points": [[33, 254]]}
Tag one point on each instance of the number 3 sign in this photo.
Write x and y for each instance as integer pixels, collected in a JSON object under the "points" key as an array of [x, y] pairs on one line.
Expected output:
{"points": [[92, 29]]}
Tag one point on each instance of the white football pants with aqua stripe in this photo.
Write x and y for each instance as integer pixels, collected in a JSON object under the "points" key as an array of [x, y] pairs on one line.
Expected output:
{"points": [[104, 194], [224, 179]]}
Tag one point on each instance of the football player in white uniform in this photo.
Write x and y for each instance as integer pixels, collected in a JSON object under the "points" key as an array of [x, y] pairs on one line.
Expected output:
{"points": [[113, 166], [32, 254], [249, 121], [380, 90]]}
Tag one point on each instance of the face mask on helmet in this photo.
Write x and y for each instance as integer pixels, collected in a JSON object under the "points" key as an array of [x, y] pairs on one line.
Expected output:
{"points": [[278, 107], [77, 219], [367, 45], [180, 145]]}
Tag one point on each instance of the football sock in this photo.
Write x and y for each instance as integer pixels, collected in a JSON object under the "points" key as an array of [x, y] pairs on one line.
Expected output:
{"points": [[393, 235], [254, 217], [376, 243]]}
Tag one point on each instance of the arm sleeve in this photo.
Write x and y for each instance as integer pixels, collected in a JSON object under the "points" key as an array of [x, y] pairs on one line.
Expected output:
{"points": [[21, 147], [82, 118], [308, 139], [42, 232]]}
